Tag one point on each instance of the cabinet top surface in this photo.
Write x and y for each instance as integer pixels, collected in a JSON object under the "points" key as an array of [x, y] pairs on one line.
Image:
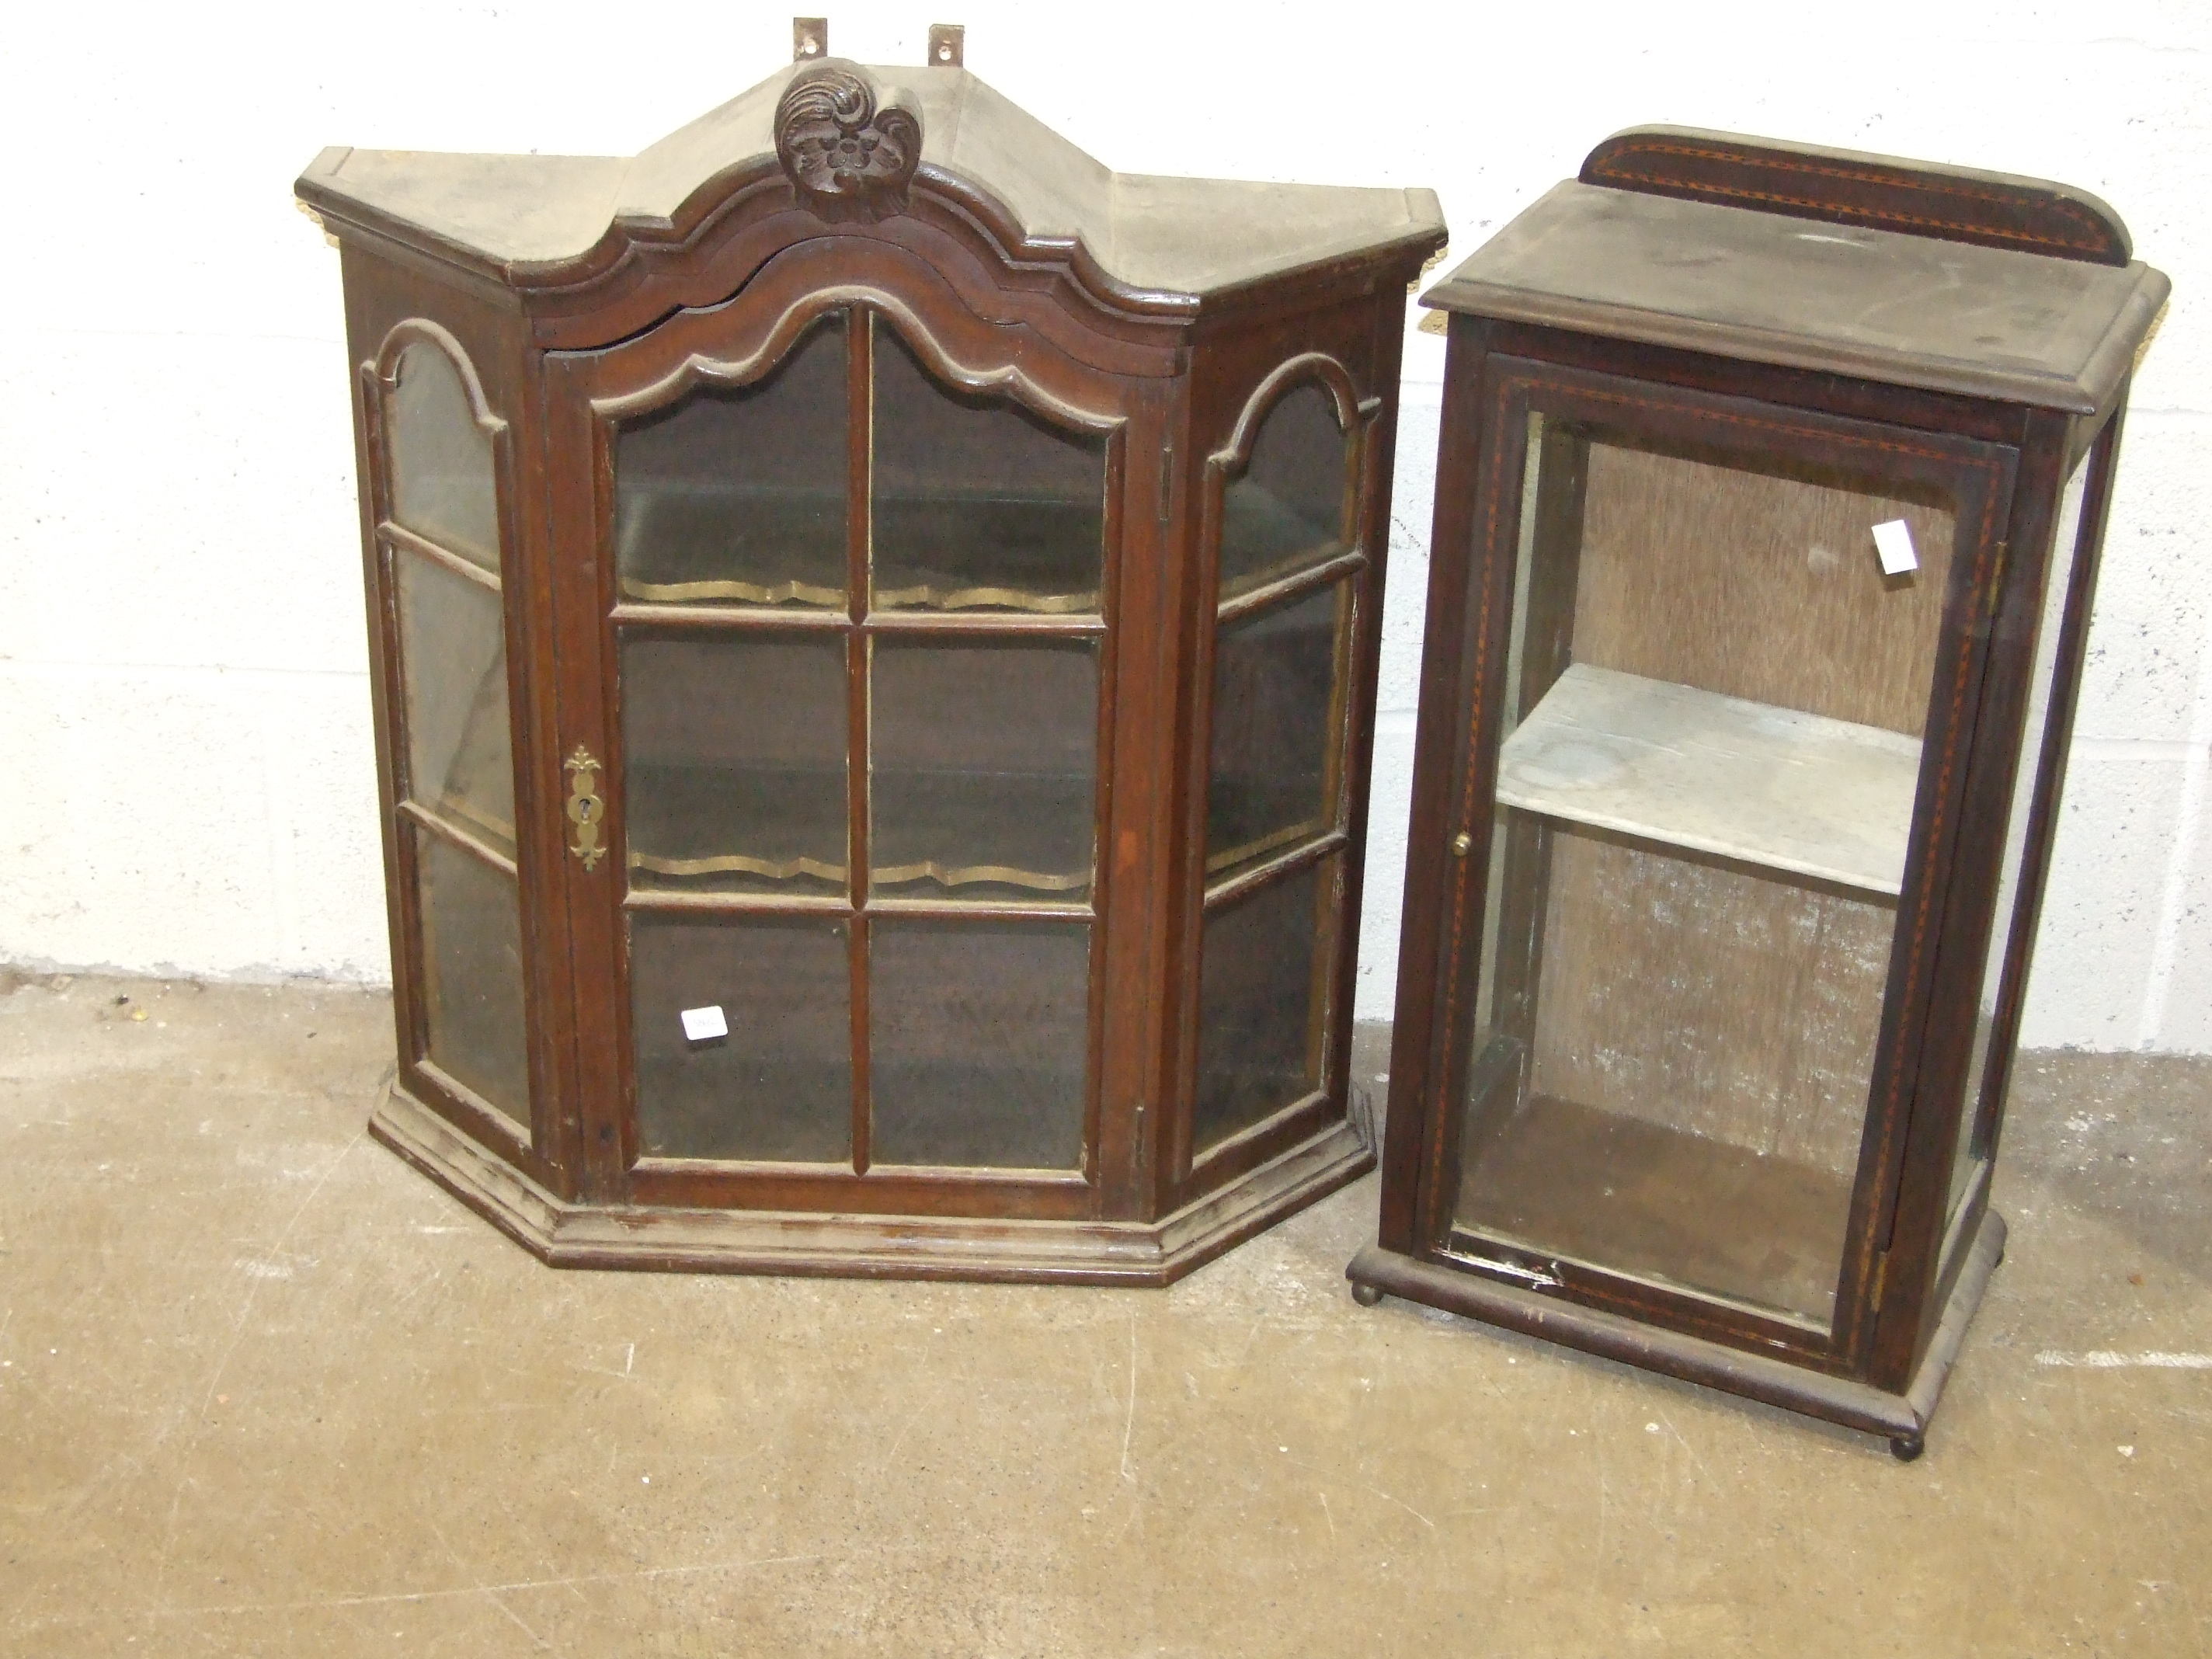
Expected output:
{"points": [[526, 217], [1876, 305]]}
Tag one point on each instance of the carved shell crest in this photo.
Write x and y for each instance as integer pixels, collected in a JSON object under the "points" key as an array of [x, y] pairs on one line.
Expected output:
{"points": [[849, 148]]}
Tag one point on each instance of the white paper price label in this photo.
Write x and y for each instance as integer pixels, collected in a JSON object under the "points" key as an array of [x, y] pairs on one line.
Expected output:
{"points": [[705, 1024], [1894, 543]]}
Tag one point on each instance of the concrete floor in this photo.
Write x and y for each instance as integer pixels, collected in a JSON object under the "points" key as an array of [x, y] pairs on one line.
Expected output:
{"points": [[264, 1390]]}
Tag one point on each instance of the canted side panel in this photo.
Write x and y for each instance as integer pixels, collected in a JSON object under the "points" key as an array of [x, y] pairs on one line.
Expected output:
{"points": [[394, 306], [1263, 1050]]}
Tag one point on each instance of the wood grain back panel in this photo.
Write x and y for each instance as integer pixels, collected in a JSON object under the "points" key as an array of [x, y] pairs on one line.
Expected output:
{"points": [[1758, 585], [1705, 999]]}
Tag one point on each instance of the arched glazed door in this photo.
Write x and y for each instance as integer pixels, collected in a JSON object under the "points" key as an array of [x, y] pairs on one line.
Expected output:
{"points": [[837, 786]]}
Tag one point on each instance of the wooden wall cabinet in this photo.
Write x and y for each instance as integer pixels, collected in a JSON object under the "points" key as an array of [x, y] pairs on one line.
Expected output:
{"points": [[874, 622], [1771, 486]]}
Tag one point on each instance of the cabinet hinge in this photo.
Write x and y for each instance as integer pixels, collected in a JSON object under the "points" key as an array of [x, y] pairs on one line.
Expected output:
{"points": [[1881, 1277], [1167, 479]]}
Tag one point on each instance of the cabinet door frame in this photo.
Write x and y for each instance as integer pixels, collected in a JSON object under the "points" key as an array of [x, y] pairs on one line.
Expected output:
{"points": [[1479, 508], [738, 341]]}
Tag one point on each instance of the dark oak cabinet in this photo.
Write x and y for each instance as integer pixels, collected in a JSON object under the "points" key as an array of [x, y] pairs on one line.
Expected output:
{"points": [[1770, 492], [874, 621]]}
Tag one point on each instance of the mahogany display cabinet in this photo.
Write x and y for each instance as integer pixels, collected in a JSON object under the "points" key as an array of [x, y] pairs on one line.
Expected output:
{"points": [[1769, 502], [874, 621]]}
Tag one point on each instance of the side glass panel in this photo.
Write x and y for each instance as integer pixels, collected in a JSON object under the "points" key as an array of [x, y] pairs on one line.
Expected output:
{"points": [[452, 655], [979, 504], [471, 973], [979, 1042], [778, 1086], [1972, 1148], [1294, 506], [1274, 783], [737, 496], [1715, 702], [1263, 1002], [984, 769], [734, 763], [441, 485], [453, 739], [1278, 727]]}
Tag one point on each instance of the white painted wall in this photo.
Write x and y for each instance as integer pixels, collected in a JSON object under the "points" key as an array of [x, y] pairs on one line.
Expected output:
{"points": [[185, 744]]}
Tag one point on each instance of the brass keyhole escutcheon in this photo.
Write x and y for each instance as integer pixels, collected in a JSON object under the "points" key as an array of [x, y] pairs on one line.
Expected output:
{"points": [[586, 809]]}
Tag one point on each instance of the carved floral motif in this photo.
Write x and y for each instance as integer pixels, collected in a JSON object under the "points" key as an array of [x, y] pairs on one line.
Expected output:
{"points": [[849, 150]]}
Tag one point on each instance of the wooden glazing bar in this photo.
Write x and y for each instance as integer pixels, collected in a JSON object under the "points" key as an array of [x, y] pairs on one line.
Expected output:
{"points": [[954, 625], [859, 526], [414, 813], [398, 536], [666, 902], [727, 619], [1295, 586], [979, 910], [1290, 862]]}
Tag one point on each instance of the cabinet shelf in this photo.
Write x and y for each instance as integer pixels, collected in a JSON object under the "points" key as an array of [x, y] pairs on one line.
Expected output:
{"points": [[1775, 787]]}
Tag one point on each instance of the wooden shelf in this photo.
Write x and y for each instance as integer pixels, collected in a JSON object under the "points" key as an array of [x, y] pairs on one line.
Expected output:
{"points": [[1775, 787]]}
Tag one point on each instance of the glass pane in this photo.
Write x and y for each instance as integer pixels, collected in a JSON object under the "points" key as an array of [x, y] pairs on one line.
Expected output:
{"points": [[1970, 1149], [736, 495], [1687, 1105], [1278, 726], [442, 483], [980, 1036], [1263, 1003], [979, 503], [1714, 698], [1294, 506], [733, 750], [472, 973], [778, 1087], [985, 769], [452, 661]]}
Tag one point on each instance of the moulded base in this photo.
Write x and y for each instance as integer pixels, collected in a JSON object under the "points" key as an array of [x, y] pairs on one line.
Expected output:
{"points": [[1902, 1419], [566, 1234]]}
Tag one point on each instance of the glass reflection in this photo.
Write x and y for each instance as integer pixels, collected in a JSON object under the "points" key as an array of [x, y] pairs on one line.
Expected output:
{"points": [[1278, 728], [736, 495], [980, 1038], [778, 1087], [471, 968], [1294, 506], [443, 484], [734, 757], [980, 504], [453, 660], [985, 769], [1263, 1008]]}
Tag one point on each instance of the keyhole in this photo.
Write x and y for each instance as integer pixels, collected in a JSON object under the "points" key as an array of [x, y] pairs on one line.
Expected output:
{"points": [[944, 54]]}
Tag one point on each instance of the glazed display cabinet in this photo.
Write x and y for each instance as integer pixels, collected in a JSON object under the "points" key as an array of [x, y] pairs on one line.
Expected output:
{"points": [[874, 621], [1771, 491]]}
